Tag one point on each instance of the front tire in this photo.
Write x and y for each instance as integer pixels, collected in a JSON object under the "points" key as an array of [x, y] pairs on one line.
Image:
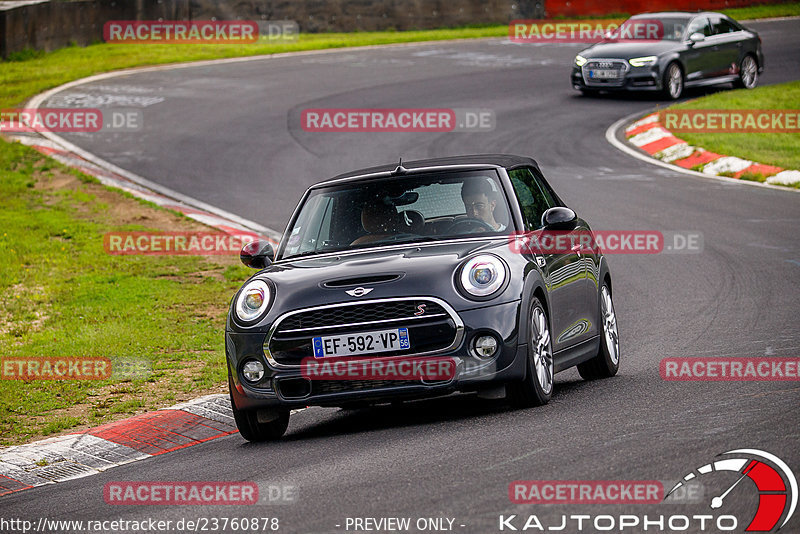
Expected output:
{"points": [[253, 430], [537, 386], [748, 73], [673, 81], [606, 363]]}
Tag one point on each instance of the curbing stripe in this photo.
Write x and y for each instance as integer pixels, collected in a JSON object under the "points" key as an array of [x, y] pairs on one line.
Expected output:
{"points": [[727, 164], [682, 157], [759, 168], [698, 158], [645, 138], [679, 151], [661, 144], [785, 177], [101, 448]]}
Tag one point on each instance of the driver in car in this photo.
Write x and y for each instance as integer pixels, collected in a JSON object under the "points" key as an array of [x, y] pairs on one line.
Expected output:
{"points": [[379, 219], [479, 200]]}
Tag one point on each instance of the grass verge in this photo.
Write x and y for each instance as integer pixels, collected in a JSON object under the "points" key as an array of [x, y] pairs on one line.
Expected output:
{"points": [[780, 149], [64, 296]]}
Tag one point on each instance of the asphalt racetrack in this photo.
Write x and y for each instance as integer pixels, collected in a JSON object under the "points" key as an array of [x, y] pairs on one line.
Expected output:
{"points": [[230, 135]]}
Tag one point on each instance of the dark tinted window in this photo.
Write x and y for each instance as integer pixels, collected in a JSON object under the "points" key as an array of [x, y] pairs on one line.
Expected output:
{"points": [[722, 25], [533, 197], [699, 25], [399, 209]]}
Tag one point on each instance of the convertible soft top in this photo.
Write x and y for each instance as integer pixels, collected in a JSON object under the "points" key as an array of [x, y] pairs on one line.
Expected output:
{"points": [[508, 161]]}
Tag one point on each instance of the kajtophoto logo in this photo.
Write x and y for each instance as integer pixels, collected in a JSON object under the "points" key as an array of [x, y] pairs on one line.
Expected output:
{"points": [[774, 481], [771, 478]]}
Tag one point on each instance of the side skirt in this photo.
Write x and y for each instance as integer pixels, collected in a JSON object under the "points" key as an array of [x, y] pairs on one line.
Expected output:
{"points": [[572, 356]]}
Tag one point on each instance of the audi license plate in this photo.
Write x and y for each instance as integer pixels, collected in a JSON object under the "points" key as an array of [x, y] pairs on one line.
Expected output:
{"points": [[361, 343], [603, 74]]}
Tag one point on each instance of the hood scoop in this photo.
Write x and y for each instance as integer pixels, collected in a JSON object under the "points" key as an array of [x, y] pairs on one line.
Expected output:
{"points": [[361, 280]]}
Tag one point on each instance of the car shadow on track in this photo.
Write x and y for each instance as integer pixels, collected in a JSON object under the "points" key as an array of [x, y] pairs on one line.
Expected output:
{"points": [[449, 409], [643, 96]]}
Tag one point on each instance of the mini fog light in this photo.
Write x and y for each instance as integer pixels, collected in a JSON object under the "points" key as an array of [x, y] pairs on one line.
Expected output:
{"points": [[253, 371], [485, 346]]}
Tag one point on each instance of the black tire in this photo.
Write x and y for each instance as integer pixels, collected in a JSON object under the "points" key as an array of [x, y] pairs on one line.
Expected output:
{"points": [[537, 386], [606, 363], [590, 93], [748, 73], [250, 428], [672, 82]]}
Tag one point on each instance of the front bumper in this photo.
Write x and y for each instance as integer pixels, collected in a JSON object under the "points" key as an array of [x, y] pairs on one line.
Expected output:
{"points": [[632, 79], [285, 386]]}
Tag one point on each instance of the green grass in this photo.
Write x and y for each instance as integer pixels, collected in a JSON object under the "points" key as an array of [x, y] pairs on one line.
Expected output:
{"points": [[790, 9], [62, 295], [780, 149]]}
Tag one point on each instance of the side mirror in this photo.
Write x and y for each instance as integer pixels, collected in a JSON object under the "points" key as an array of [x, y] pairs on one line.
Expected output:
{"points": [[257, 254], [559, 218], [697, 37]]}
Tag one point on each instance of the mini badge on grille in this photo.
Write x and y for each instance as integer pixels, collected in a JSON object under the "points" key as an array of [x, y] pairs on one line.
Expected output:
{"points": [[358, 292]]}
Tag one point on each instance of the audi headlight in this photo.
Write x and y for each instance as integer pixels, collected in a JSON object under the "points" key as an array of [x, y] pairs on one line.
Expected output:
{"points": [[253, 301], [580, 61], [642, 61], [483, 276]]}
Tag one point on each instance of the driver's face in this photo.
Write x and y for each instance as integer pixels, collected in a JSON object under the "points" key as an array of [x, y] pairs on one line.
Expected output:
{"points": [[480, 207]]}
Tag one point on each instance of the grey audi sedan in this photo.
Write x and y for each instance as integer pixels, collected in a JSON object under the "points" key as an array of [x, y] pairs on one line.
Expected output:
{"points": [[669, 52]]}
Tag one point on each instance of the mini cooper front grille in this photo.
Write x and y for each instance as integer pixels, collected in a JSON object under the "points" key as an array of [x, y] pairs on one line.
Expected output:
{"points": [[433, 327], [358, 314]]}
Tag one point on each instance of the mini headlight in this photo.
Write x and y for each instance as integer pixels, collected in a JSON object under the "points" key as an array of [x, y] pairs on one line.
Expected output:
{"points": [[253, 301], [642, 61], [580, 61], [483, 275]]}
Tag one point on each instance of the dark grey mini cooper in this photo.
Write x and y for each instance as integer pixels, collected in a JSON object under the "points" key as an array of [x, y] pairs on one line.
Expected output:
{"points": [[408, 281]]}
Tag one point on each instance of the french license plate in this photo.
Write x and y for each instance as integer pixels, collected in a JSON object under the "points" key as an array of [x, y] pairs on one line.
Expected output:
{"points": [[602, 73], [361, 343]]}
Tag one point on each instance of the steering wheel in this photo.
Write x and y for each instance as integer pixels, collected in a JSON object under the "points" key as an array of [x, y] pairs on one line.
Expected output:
{"points": [[477, 225]]}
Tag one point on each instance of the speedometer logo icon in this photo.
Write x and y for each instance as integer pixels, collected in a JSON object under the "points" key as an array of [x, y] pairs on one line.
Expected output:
{"points": [[775, 483]]}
